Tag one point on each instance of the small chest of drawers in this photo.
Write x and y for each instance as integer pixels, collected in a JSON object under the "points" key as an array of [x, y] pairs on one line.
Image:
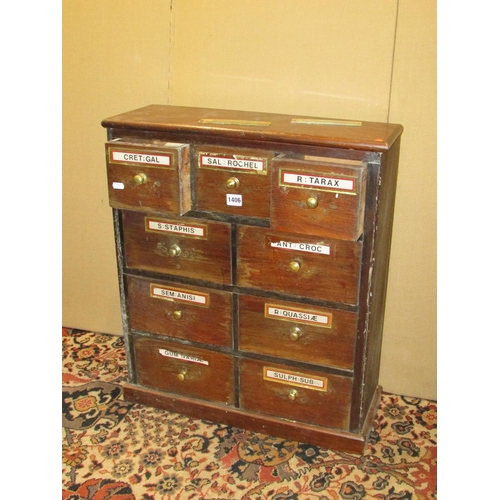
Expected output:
{"points": [[253, 253]]}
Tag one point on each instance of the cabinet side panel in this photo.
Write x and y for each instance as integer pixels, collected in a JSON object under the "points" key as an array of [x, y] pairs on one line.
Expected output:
{"points": [[123, 291], [368, 355]]}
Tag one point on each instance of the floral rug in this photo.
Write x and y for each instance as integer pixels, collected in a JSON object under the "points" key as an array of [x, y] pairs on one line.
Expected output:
{"points": [[115, 450]]}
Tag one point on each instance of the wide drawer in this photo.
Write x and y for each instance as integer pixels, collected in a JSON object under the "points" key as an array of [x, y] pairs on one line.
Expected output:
{"points": [[178, 246], [302, 395], [290, 330], [320, 196], [149, 176], [181, 311], [185, 370], [233, 181], [303, 266]]}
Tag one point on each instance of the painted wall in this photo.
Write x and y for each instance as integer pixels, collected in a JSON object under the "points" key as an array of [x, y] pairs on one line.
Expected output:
{"points": [[362, 59]]}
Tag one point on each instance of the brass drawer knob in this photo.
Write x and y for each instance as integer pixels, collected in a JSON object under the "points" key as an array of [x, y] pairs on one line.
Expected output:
{"points": [[174, 251], [232, 183], [294, 266], [312, 202], [182, 375], [292, 395], [295, 333], [177, 314], [140, 179]]}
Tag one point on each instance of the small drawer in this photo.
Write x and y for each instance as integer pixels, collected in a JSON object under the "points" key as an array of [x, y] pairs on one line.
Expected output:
{"points": [[302, 395], [320, 196], [184, 370], [186, 312], [290, 330], [178, 246], [149, 176], [304, 266], [232, 181]]}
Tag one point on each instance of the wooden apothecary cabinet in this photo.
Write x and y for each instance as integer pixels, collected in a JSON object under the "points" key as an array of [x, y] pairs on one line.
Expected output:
{"points": [[253, 253]]}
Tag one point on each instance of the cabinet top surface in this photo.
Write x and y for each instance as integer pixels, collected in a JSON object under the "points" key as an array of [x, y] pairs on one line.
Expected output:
{"points": [[272, 127]]}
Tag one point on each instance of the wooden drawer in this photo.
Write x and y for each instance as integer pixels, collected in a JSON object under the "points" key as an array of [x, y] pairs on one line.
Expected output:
{"points": [[149, 176], [186, 312], [185, 370], [320, 196], [181, 247], [302, 395], [299, 265], [291, 330], [232, 180]]}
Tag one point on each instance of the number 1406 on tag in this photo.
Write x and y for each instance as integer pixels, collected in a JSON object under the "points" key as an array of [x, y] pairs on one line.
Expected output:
{"points": [[234, 200]]}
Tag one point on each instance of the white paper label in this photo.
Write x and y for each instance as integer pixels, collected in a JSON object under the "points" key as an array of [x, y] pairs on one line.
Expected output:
{"points": [[298, 316], [179, 295], [234, 200], [184, 357], [140, 157], [302, 247], [235, 162], [314, 181], [297, 379], [118, 185], [171, 227]]}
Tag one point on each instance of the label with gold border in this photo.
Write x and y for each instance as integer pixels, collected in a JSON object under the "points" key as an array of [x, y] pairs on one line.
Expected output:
{"points": [[179, 295], [303, 180], [296, 379], [309, 317], [236, 162], [140, 157], [156, 225]]}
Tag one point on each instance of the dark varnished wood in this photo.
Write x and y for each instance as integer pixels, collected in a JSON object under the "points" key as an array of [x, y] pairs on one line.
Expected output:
{"points": [[330, 345], [205, 258], [330, 408], [174, 316], [210, 182], [235, 265], [165, 187], [260, 265], [338, 214], [212, 381], [304, 432], [371, 136], [373, 283]]}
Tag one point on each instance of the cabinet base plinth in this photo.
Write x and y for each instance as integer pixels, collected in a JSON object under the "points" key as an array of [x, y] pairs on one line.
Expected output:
{"points": [[333, 439]]}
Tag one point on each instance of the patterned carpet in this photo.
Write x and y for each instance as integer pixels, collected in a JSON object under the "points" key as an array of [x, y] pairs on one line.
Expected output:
{"points": [[114, 450]]}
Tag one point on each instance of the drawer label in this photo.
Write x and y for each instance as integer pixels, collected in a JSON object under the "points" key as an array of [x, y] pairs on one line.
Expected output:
{"points": [[179, 295], [140, 157], [298, 316], [230, 161], [164, 226], [304, 180], [301, 247], [296, 379], [184, 357]]}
